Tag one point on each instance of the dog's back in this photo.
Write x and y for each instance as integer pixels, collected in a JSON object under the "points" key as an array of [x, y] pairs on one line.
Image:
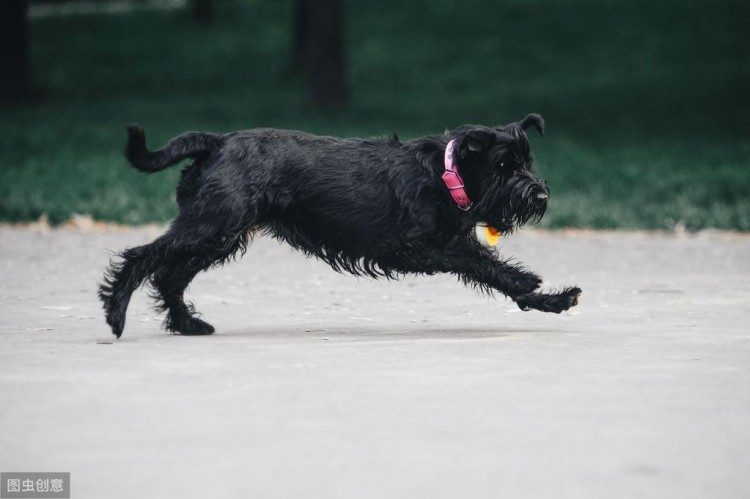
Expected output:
{"points": [[312, 191]]}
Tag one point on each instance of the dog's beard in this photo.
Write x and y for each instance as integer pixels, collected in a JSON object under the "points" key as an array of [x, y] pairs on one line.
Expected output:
{"points": [[511, 203]]}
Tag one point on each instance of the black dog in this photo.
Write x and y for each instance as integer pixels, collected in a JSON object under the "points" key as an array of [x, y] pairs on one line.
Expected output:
{"points": [[369, 207]]}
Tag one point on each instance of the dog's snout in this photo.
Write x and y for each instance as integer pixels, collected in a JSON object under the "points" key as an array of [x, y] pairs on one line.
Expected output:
{"points": [[540, 199]]}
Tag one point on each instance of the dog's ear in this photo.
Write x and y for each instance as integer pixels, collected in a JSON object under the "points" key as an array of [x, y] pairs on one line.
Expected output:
{"points": [[534, 120], [476, 141]]}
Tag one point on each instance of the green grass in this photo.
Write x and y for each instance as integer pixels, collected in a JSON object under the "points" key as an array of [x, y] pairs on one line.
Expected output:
{"points": [[646, 102]]}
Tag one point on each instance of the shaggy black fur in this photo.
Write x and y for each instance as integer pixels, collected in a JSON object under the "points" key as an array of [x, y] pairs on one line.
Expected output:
{"points": [[369, 207]]}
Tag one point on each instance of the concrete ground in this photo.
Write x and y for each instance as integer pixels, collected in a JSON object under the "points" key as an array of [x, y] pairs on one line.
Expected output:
{"points": [[323, 385]]}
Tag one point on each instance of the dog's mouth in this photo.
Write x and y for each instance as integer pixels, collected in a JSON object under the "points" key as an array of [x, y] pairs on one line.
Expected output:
{"points": [[504, 226], [507, 226], [526, 203], [518, 201]]}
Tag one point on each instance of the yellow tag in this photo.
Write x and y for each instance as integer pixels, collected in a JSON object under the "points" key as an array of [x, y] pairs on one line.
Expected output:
{"points": [[492, 235], [488, 236]]}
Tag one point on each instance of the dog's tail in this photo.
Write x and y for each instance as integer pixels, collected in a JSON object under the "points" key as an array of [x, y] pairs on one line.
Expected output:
{"points": [[187, 145]]}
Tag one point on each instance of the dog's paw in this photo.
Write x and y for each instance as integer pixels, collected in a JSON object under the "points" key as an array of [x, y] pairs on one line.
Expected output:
{"points": [[190, 326], [568, 298], [114, 311], [555, 302], [574, 294], [198, 328], [524, 302], [117, 323]]}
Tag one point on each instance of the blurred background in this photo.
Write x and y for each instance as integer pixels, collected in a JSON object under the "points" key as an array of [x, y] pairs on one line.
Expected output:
{"points": [[646, 102]]}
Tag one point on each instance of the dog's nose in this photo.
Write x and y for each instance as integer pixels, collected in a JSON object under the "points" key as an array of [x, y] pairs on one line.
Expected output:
{"points": [[540, 200]]}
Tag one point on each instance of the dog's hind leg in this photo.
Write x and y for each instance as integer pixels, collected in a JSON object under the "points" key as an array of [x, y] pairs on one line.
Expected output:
{"points": [[171, 261], [121, 279], [172, 279]]}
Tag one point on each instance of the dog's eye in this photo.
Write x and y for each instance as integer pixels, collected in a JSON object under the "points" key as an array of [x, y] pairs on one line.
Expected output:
{"points": [[507, 164]]}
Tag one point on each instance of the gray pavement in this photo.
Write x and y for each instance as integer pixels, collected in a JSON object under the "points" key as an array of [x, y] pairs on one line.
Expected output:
{"points": [[323, 385]]}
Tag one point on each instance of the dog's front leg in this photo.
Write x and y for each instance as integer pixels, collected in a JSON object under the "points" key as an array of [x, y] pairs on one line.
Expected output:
{"points": [[479, 266]]}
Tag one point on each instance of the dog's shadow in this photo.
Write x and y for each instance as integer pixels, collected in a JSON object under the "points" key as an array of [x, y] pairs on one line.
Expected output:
{"points": [[374, 333]]}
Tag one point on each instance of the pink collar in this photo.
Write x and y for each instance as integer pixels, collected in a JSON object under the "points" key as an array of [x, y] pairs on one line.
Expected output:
{"points": [[453, 180]]}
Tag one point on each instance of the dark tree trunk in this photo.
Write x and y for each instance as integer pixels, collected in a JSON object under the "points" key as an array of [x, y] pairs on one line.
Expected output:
{"points": [[300, 33], [319, 26], [203, 11], [15, 73]]}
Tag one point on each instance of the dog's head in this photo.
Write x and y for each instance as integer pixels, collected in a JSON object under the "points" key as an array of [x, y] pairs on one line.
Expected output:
{"points": [[497, 167]]}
